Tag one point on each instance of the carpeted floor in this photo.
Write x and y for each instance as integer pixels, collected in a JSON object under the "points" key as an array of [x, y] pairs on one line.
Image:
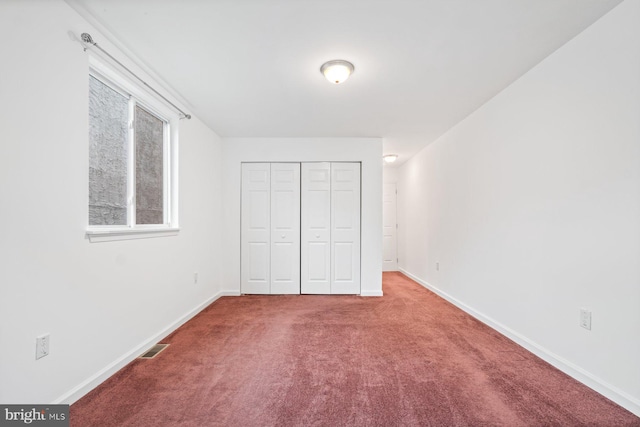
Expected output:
{"points": [[406, 359]]}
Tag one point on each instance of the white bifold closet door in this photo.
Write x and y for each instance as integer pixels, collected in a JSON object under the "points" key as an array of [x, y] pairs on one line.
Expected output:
{"points": [[330, 253], [270, 248], [316, 228], [285, 228], [256, 228]]}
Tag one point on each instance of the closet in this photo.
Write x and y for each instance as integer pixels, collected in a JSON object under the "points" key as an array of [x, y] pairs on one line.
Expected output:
{"points": [[300, 228], [270, 258]]}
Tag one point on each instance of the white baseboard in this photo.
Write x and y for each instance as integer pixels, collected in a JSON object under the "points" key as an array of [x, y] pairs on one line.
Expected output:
{"points": [[229, 294], [97, 379], [371, 293], [609, 391]]}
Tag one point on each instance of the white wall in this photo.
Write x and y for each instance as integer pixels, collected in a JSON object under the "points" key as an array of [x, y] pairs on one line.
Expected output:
{"points": [[365, 150], [101, 303], [389, 174], [531, 206]]}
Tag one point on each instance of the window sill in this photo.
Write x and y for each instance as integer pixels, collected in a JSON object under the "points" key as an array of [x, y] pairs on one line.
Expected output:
{"points": [[96, 236]]}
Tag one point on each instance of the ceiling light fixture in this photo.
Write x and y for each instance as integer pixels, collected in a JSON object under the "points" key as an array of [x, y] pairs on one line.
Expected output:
{"points": [[337, 71], [390, 158]]}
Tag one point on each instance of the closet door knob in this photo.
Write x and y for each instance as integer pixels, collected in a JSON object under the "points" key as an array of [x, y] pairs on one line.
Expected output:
{"points": [[317, 236], [282, 236]]}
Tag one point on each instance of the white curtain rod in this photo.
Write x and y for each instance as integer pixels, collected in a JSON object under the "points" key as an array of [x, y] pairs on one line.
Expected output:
{"points": [[86, 38]]}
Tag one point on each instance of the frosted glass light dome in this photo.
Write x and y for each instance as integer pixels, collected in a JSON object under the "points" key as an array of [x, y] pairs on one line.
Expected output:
{"points": [[390, 158], [337, 71]]}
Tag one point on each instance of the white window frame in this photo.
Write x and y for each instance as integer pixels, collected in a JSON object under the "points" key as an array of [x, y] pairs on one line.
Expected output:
{"points": [[137, 95]]}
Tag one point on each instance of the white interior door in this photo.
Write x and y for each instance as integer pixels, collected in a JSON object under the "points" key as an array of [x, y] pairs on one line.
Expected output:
{"points": [[389, 228], [285, 228], [345, 228], [256, 243], [315, 239]]}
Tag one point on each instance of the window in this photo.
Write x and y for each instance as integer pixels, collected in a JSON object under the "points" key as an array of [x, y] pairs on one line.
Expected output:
{"points": [[131, 145]]}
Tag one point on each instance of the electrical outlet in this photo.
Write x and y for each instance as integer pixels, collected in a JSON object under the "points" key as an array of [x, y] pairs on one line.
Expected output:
{"points": [[585, 318], [42, 346], [437, 266], [195, 277]]}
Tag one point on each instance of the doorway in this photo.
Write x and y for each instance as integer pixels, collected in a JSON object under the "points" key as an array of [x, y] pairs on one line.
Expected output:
{"points": [[389, 228]]}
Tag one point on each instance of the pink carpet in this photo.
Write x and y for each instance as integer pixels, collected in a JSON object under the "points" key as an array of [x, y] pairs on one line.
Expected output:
{"points": [[406, 359]]}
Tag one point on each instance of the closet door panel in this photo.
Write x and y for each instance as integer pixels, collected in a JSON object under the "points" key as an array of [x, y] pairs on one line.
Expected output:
{"points": [[317, 270], [285, 228], [345, 228], [255, 231], [316, 228], [344, 267], [258, 267]]}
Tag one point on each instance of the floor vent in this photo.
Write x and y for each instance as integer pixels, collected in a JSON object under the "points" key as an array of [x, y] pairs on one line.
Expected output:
{"points": [[154, 351]]}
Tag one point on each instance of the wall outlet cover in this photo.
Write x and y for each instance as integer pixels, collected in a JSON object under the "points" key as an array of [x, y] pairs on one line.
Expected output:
{"points": [[42, 346], [585, 318]]}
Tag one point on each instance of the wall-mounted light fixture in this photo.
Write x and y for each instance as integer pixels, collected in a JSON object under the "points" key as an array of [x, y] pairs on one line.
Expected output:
{"points": [[337, 71], [390, 158]]}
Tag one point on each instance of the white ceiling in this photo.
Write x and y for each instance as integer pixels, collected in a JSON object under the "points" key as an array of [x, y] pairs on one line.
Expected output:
{"points": [[250, 68]]}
